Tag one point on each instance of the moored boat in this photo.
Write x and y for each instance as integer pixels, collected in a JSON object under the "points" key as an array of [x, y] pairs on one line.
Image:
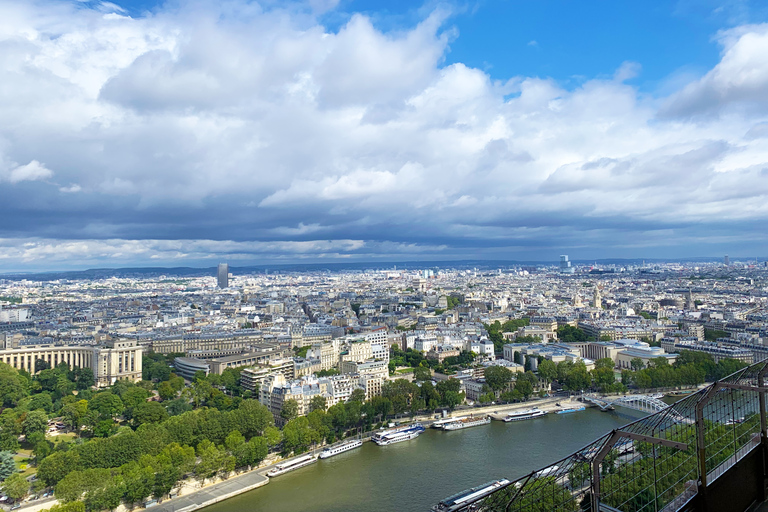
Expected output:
{"points": [[461, 423], [527, 414], [298, 462], [341, 448], [464, 498], [399, 434], [571, 409]]}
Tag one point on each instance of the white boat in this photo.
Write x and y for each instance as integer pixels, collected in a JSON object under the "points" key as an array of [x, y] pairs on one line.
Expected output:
{"points": [[459, 424], [285, 467], [573, 409], [343, 447], [550, 471], [439, 424], [399, 434], [528, 414], [461, 500]]}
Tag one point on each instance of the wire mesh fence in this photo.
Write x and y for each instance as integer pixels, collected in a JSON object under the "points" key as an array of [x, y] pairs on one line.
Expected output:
{"points": [[654, 464]]}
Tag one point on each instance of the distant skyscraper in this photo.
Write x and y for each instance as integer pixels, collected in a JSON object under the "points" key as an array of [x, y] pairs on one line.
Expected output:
{"points": [[726, 260], [565, 265], [223, 275]]}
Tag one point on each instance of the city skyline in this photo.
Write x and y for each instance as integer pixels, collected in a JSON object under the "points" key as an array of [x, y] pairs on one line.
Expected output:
{"points": [[184, 133]]}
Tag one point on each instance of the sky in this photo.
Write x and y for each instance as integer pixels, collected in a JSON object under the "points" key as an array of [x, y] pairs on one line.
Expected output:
{"points": [[189, 132]]}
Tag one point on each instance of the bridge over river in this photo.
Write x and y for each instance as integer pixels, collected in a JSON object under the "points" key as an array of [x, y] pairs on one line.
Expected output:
{"points": [[643, 403]]}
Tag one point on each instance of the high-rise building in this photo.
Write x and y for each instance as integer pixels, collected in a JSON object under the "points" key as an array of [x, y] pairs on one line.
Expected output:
{"points": [[726, 260], [223, 275], [565, 265]]}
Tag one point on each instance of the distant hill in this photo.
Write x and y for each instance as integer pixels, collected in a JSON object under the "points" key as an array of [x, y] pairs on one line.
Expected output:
{"points": [[146, 272]]}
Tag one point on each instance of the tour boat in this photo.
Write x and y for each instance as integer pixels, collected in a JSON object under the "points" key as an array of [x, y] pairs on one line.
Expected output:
{"points": [[528, 414], [459, 424], [285, 467], [572, 409], [399, 434], [343, 447], [461, 500]]}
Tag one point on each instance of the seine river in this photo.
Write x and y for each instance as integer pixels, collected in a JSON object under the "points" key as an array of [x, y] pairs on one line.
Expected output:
{"points": [[416, 474]]}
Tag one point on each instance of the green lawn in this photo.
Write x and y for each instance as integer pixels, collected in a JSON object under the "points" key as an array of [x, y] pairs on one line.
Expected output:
{"points": [[69, 436], [23, 460]]}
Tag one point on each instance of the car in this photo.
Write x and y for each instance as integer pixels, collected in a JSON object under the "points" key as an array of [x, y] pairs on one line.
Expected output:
{"points": [[16, 506]]}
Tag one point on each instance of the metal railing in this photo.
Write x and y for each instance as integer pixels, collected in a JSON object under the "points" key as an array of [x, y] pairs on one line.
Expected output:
{"points": [[655, 464]]}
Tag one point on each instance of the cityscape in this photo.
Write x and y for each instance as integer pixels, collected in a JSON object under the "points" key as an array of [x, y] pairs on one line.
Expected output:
{"points": [[260, 366], [381, 255]]}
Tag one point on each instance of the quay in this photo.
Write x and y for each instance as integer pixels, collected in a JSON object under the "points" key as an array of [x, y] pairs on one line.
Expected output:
{"points": [[256, 478], [215, 493]]}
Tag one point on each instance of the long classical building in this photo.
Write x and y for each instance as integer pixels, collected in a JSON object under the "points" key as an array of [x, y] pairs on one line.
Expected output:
{"points": [[110, 361]]}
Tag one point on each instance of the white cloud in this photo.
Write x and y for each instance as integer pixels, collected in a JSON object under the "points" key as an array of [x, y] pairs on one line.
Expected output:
{"points": [[32, 171], [739, 80], [74, 188], [197, 110]]}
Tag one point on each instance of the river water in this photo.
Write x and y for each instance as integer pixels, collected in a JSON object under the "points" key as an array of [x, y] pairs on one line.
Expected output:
{"points": [[414, 475]]}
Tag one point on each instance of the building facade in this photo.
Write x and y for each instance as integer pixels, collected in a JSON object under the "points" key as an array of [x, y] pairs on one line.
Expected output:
{"points": [[110, 361]]}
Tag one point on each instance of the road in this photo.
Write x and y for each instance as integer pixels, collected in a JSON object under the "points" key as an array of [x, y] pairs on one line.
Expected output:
{"points": [[213, 494]]}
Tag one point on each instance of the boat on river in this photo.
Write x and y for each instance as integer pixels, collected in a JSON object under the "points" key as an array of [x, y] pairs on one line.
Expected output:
{"points": [[298, 462], [461, 423], [341, 448], [570, 410], [464, 498], [527, 414], [398, 435]]}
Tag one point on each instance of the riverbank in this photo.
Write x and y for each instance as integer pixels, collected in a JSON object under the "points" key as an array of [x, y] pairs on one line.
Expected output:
{"points": [[215, 493], [225, 489], [191, 496], [414, 475]]}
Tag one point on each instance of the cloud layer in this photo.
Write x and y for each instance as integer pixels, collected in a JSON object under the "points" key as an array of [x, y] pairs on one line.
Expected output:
{"points": [[213, 130]]}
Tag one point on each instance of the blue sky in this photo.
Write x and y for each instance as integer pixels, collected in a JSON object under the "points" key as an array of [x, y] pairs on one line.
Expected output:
{"points": [[566, 40], [191, 131]]}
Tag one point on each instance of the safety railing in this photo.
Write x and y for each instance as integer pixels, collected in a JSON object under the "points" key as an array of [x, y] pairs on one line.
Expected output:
{"points": [[655, 464]]}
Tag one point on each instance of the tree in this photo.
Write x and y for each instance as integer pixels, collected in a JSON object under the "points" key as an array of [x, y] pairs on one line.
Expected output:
{"points": [[41, 364], [422, 374], [290, 409], [498, 377], [212, 461], [15, 486], [252, 418], [178, 406], [524, 387], [74, 413], [578, 378], [13, 387], [358, 395], [83, 378], [569, 334], [547, 370], [7, 465], [637, 364], [234, 440], [106, 404], [317, 403], [133, 396], [56, 466], [298, 436], [149, 412], [74, 506], [10, 429], [35, 422], [41, 400]]}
